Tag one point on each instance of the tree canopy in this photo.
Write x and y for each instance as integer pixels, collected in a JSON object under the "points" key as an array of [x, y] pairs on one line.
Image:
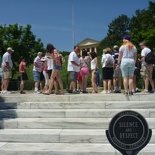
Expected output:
{"points": [[22, 40], [141, 27]]}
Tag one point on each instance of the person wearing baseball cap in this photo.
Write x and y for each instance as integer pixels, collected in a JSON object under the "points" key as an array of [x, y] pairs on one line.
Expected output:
{"points": [[126, 60], [10, 49], [7, 65]]}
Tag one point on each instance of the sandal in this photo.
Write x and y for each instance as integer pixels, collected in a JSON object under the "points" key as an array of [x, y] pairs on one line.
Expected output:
{"points": [[46, 93]]}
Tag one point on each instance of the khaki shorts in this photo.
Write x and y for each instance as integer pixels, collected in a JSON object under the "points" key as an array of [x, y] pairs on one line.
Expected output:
{"points": [[117, 72], [7, 73], [146, 71]]}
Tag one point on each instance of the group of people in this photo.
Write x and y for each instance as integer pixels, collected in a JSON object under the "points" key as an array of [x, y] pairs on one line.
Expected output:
{"points": [[116, 63]]}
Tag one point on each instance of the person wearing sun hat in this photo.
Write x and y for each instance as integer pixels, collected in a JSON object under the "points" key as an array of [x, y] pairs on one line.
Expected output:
{"points": [[7, 65], [126, 60]]}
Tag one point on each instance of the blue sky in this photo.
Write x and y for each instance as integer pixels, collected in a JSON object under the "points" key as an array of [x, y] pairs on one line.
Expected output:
{"points": [[51, 20]]}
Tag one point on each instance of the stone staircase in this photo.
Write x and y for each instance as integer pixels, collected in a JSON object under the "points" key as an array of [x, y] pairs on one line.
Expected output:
{"points": [[35, 124]]}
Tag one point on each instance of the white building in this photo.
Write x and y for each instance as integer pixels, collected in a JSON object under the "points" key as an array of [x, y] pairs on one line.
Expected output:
{"points": [[89, 45]]}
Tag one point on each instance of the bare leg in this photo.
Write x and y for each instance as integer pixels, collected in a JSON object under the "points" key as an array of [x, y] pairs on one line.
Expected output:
{"points": [[126, 84], [22, 85]]}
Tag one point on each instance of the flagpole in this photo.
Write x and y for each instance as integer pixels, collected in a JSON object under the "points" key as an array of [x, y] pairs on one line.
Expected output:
{"points": [[72, 23]]}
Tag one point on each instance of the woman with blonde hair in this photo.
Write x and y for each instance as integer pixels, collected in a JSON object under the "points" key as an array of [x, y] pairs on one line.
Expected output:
{"points": [[126, 60]]}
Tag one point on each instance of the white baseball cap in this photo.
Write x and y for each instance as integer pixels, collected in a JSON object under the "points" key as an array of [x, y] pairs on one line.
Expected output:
{"points": [[10, 49]]}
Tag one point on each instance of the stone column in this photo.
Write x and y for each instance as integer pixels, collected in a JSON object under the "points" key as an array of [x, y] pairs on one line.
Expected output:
{"points": [[95, 49], [90, 50]]}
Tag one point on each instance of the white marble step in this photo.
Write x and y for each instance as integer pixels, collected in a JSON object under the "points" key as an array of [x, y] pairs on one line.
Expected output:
{"points": [[69, 113], [57, 136], [80, 104], [30, 97], [61, 123], [65, 149]]}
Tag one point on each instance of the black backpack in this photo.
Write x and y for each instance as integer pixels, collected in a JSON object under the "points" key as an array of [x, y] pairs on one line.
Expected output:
{"points": [[150, 58]]}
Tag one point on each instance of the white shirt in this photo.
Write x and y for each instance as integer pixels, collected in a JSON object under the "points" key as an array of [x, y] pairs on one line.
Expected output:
{"points": [[38, 61], [144, 52], [105, 57], [7, 58], [73, 57], [93, 64], [127, 53], [49, 63]]}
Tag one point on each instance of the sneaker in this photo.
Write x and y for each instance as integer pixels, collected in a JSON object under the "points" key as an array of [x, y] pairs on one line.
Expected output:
{"points": [[108, 92], [145, 91], [126, 93], [75, 92], [115, 91], [5, 92], [36, 92], [103, 92], [22, 92], [78, 91], [138, 91], [119, 91], [151, 91], [130, 93]]}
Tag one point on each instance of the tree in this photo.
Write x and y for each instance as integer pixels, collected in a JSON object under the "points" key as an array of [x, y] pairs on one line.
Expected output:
{"points": [[143, 26], [117, 29], [140, 27], [22, 40]]}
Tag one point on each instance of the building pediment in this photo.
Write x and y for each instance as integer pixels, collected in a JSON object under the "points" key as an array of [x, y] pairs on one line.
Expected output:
{"points": [[88, 42]]}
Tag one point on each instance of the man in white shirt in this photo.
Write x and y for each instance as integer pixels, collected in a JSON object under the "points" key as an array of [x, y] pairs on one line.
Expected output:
{"points": [[73, 69], [7, 65], [147, 69], [37, 69]]}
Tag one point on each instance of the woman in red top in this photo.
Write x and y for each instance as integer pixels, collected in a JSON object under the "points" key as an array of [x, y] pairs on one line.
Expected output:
{"points": [[23, 74]]}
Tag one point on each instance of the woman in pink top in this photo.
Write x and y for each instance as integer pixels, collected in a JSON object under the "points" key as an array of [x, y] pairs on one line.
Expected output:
{"points": [[57, 65], [85, 69]]}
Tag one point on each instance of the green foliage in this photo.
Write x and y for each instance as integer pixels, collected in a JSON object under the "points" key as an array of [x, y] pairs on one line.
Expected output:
{"points": [[117, 28], [22, 40], [141, 27]]}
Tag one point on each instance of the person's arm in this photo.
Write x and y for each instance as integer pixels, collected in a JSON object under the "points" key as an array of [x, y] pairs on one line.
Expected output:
{"points": [[135, 57], [7, 65], [119, 58], [74, 63], [96, 63], [36, 65]]}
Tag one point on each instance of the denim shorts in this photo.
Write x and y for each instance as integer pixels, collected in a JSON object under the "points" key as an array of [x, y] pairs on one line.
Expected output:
{"points": [[36, 76], [57, 67]]}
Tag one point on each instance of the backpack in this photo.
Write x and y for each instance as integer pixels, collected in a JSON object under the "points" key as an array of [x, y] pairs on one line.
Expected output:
{"points": [[150, 58], [109, 62]]}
